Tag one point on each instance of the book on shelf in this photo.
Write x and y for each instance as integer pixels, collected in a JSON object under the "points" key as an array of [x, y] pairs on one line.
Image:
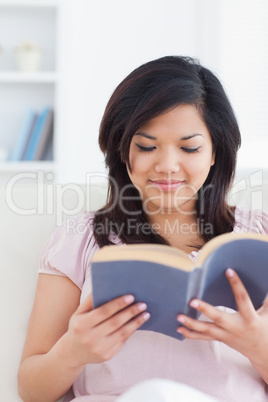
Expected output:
{"points": [[23, 139], [41, 134], [45, 143], [48, 152], [166, 279]]}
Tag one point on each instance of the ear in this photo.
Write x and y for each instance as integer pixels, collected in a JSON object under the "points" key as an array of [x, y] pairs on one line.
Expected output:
{"points": [[213, 158]]}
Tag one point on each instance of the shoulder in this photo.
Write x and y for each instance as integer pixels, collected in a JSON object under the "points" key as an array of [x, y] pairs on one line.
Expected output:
{"points": [[70, 248], [74, 231], [255, 221], [81, 227], [80, 224]]}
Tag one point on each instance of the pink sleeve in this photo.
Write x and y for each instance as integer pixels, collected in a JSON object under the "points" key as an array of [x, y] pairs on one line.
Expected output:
{"points": [[260, 221], [70, 248], [255, 221]]}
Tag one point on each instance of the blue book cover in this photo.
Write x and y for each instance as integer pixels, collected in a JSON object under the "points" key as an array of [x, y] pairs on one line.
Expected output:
{"points": [[46, 138], [36, 135], [166, 279], [24, 136], [48, 153]]}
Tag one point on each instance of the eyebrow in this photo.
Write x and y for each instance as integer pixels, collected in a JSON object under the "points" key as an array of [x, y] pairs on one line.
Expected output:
{"points": [[188, 137], [151, 137]]}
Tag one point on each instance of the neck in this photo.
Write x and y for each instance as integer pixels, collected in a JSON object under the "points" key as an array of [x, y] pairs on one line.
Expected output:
{"points": [[181, 223]]}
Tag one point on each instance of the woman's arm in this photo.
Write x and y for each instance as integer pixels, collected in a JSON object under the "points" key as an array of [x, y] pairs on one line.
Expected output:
{"points": [[245, 331], [63, 336], [44, 373]]}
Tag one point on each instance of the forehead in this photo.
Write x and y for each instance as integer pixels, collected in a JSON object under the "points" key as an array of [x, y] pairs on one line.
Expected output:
{"points": [[181, 121]]}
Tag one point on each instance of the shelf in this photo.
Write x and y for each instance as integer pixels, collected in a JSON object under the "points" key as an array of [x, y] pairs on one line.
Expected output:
{"points": [[26, 166], [29, 3], [21, 91], [22, 77]]}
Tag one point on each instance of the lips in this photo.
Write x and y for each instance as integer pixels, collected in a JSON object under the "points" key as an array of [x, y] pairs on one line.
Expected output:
{"points": [[166, 185]]}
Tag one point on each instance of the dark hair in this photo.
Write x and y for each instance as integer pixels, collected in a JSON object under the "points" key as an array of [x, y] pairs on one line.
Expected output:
{"points": [[147, 92]]}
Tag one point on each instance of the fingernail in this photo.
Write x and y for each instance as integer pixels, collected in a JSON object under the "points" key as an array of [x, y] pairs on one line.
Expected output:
{"points": [[146, 316], [230, 272], [181, 319], [194, 303], [142, 306], [129, 299]]}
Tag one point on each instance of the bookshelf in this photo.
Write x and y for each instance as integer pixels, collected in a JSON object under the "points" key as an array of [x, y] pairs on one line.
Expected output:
{"points": [[20, 91], [26, 166], [41, 77]]}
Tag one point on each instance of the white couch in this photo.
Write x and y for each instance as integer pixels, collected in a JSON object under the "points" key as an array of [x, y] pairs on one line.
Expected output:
{"points": [[23, 234], [22, 237]]}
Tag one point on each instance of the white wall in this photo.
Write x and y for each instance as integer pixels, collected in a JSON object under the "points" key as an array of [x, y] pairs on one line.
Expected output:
{"points": [[104, 40], [243, 66]]}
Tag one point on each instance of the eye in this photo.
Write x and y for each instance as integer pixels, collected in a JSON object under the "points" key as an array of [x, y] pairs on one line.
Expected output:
{"points": [[190, 150], [145, 149]]}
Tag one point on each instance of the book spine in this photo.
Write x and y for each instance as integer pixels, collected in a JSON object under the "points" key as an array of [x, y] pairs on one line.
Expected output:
{"points": [[36, 135], [45, 137], [23, 137], [48, 154]]}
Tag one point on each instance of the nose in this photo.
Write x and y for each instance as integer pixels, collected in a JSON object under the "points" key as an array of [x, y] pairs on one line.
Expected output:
{"points": [[168, 161]]}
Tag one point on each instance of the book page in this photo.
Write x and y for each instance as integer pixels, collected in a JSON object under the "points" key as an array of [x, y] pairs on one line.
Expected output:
{"points": [[208, 248], [157, 253]]}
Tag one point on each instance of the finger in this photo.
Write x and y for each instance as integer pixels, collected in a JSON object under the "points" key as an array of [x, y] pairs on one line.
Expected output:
{"points": [[207, 329], [264, 307], [123, 333], [121, 318], [117, 339], [265, 303], [243, 301], [220, 318], [107, 310], [189, 334]]}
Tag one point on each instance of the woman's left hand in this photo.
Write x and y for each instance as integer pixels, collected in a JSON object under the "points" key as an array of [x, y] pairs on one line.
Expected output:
{"points": [[245, 331]]}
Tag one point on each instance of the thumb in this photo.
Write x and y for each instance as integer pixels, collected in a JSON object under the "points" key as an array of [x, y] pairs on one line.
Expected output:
{"points": [[85, 306], [265, 304], [264, 307]]}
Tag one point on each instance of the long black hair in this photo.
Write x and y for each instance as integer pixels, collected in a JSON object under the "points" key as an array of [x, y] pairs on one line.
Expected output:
{"points": [[148, 91]]}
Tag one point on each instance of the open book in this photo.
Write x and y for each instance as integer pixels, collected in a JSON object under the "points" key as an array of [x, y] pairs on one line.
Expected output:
{"points": [[166, 279]]}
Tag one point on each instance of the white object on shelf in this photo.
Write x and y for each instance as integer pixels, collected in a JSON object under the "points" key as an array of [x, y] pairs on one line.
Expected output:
{"points": [[29, 56]]}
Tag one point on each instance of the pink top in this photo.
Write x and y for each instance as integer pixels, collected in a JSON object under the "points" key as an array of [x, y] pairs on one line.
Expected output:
{"points": [[211, 367]]}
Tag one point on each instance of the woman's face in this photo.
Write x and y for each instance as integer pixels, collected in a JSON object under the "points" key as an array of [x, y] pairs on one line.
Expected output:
{"points": [[170, 158]]}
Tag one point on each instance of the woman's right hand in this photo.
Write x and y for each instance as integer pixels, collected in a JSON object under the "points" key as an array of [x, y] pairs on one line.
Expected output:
{"points": [[63, 336], [97, 335]]}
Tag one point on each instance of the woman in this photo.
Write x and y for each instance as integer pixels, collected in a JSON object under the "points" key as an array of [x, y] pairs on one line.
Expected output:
{"points": [[170, 139]]}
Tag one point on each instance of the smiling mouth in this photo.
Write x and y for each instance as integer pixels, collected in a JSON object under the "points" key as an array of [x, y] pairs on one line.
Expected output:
{"points": [[167, 185]]}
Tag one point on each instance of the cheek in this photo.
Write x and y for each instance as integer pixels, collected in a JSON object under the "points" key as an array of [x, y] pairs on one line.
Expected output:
{"points": [[133, 159], [199, 167], [136, 174], [139, 163]]}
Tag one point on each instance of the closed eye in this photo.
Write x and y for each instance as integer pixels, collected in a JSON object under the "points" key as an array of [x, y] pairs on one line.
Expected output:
{"points": [[190, 150], [145, 149]]}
